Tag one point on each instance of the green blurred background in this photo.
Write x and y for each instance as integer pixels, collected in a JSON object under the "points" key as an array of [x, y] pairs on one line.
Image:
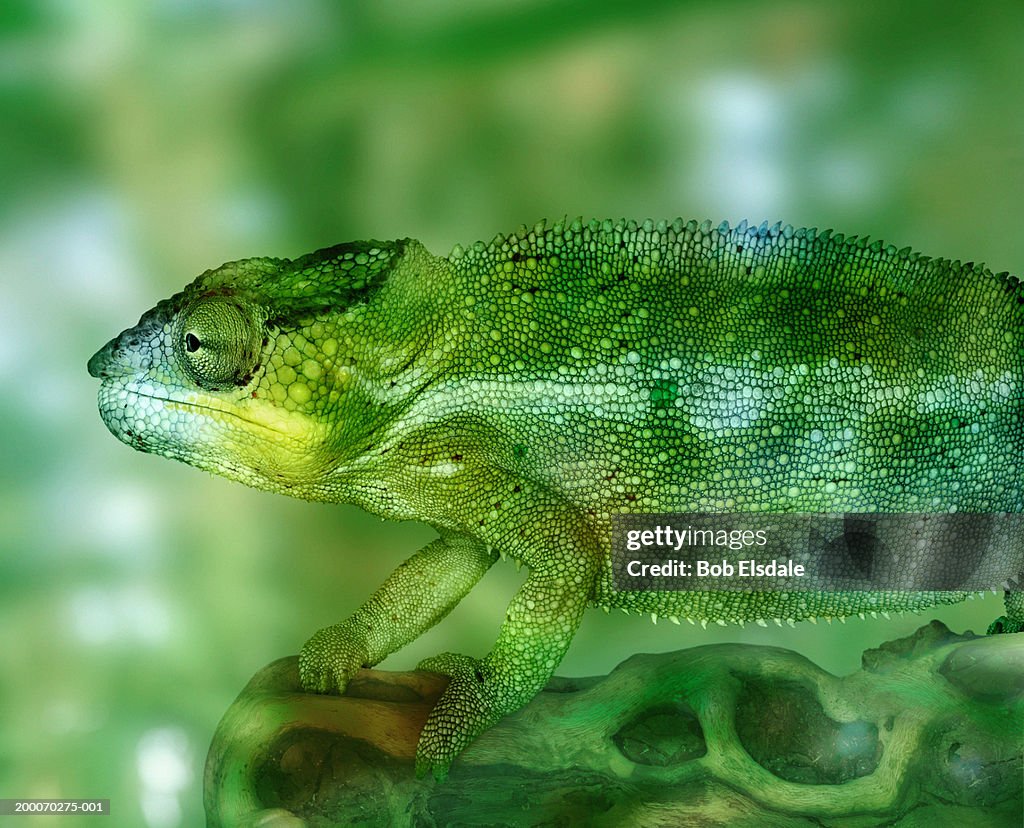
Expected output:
{"points": [[143, 143]]}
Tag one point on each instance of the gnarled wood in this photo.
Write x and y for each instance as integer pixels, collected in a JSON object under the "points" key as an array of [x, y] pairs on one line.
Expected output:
{"points": [[929, 732]]}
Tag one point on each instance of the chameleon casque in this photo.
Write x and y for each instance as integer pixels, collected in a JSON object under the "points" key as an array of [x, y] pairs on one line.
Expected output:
{"points": [[516, 394]]}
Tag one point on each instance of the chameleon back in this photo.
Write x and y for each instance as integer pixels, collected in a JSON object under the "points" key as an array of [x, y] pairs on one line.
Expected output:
{"points": [[662, 368]]}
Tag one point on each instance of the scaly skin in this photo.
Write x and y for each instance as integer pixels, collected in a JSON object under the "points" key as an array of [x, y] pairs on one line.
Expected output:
{"points": [[517, 394]]}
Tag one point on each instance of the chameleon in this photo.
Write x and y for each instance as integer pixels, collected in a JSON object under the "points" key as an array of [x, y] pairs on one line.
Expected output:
{"points": [[517, 394]]}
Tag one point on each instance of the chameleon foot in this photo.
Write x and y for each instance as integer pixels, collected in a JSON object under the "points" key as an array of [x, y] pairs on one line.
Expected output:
{"points": [[330, 659], [470, 704], [1013, 621], [1005, 624]]}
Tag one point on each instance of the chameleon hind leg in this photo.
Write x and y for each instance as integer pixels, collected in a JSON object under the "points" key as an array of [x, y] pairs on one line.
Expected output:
{"points": [[1013, 621]]}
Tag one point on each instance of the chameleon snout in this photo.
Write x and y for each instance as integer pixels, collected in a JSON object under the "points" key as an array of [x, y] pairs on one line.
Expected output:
{"points": [[101, 362]]}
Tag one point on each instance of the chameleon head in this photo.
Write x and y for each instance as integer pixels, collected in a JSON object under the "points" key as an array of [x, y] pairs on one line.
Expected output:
{"points": [[238, 374]]}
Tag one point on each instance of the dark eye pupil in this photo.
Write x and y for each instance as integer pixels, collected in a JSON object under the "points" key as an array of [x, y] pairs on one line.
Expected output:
{"points": [[192, 343]]}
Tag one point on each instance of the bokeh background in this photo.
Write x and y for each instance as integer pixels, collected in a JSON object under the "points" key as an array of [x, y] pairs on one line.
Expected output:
{"points": [[141, 143]]}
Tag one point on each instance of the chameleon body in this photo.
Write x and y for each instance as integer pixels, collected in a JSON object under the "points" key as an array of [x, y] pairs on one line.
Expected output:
{"points": [[516, 394]]}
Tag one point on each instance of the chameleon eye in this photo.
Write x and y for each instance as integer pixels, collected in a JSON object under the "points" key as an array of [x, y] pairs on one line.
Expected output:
{"points": [[217, 342]]}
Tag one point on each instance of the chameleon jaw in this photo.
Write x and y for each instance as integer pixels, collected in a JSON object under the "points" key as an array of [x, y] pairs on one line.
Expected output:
{"points": [[256, 443]]}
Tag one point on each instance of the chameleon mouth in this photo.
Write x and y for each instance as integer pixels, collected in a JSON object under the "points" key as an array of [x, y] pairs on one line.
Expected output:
{"points": [[189, 405], [262, 447], [134, 413]]}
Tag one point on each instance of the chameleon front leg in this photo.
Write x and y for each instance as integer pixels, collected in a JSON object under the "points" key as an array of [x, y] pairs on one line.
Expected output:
{"points": [[539, 625], [417, 595]]}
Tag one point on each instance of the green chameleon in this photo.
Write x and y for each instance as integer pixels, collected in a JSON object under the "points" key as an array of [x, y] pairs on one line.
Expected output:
{"points": [[517, 394]]}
